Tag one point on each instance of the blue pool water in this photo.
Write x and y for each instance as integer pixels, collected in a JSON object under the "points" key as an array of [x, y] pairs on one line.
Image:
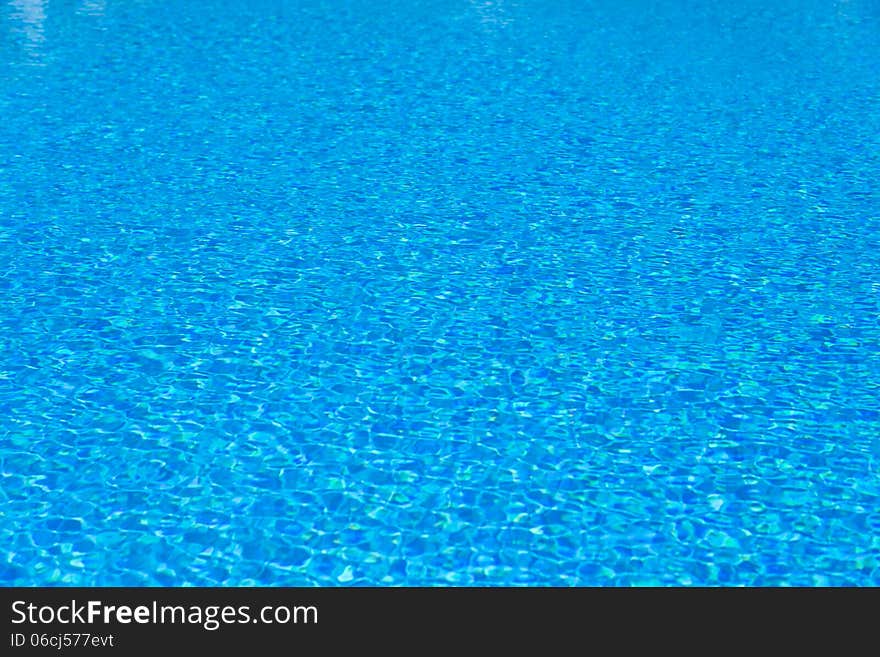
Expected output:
{"points": [[345, 292]]}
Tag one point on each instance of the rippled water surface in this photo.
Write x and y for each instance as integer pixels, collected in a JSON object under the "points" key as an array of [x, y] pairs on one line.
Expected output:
{"points": [[439, 292]]}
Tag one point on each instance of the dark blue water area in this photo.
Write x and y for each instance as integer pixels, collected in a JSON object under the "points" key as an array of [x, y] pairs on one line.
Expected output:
{"points": [[451, 292]]}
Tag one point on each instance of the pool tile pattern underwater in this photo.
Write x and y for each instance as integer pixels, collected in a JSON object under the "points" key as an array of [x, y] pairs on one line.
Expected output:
{"points": [[445, 292]]}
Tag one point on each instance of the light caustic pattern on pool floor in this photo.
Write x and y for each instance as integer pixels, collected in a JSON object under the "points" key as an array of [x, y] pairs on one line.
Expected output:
{"points": [[439, 293]]}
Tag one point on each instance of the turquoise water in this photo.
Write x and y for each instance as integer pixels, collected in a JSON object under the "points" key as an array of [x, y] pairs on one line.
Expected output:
{"points": [[446, 292]]}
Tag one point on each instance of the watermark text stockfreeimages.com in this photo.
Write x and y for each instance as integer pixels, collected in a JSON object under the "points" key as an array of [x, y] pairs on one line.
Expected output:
{"points": [[210, 617]]}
